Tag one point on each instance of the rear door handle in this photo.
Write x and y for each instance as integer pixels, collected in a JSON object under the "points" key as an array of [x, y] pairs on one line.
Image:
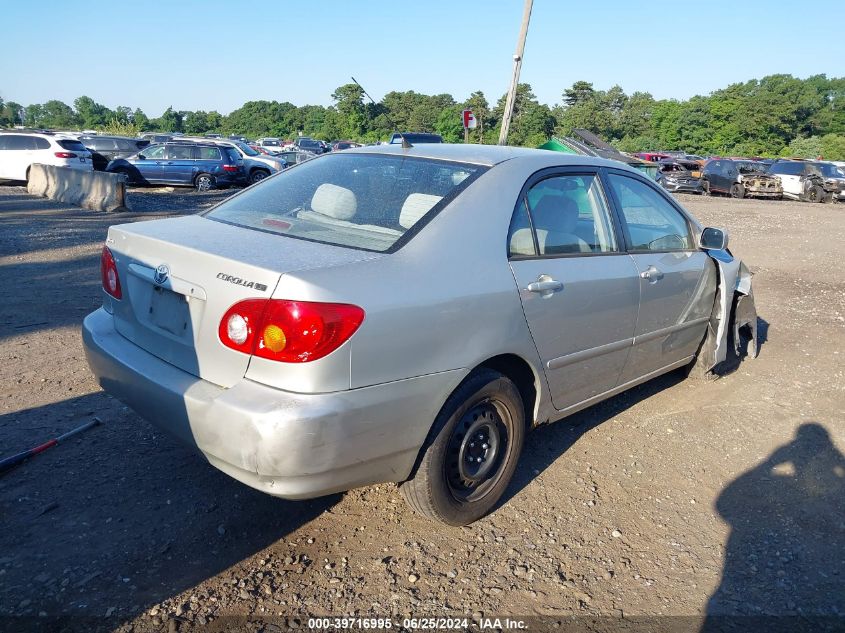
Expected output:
{"points": [[545, 285], [651, 274]]}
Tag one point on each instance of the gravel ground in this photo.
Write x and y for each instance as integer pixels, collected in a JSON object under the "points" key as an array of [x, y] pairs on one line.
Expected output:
{"points": [[680, 497]]}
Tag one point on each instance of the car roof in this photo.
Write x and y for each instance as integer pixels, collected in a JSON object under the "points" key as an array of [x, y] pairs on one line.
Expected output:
{"points": [[489, 155]]}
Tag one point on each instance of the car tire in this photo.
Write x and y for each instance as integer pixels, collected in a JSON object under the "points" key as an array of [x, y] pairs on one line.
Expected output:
{"points": [[258, 175], [457, 480], [204, 182], [705, 188], [737, 190], [815, 194]]}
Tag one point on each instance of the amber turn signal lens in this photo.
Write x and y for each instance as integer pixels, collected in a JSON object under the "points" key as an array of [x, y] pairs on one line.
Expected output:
{"points": [[274, 338]]}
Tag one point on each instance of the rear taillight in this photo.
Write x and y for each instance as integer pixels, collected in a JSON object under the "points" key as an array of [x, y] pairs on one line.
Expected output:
{"points": [[108, 270], [65, 155], [230, 168], [288, 331]]}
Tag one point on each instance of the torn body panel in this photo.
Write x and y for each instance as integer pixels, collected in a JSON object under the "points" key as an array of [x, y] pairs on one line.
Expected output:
{"points": [[733, 309]]}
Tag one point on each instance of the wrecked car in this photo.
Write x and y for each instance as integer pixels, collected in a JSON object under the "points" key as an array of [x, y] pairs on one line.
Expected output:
{"points": [[679, 176], [740, 179], [809, 181], [390, 314]]}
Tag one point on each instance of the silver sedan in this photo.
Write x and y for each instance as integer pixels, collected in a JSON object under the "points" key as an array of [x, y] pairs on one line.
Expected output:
{"points": [[407, 315]]}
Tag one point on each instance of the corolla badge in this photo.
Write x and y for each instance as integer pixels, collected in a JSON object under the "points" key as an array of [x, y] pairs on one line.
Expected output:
{"points": [[161, 274]]}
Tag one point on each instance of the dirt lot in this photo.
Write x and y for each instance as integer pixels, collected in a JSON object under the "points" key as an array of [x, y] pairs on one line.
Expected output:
{"points": [[681, 497]]}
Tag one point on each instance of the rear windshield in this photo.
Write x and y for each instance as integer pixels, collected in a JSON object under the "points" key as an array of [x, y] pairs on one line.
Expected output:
{"points": [[71, 145], [366, 201]]}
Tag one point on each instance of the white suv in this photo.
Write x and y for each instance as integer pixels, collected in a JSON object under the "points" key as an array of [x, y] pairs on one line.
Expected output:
{"points": [[19, 150]]}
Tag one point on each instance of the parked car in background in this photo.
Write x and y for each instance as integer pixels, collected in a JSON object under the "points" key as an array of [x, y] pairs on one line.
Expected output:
{"points": [[679, 176], [184, 164], [740, 178], [808, 181], [271, 144], [260, 332], [19, 150], [107, 148], [294, 157], [415, 138], [257, 166], [307, 144], [652, 157], [157, 137], [339, 145]]}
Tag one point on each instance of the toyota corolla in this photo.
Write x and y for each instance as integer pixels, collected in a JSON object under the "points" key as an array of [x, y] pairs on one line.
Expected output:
{"points": [[390, 314]]}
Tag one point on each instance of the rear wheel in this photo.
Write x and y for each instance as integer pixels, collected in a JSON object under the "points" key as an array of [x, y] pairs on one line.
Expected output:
{"points": [[471, 453], [737, 190], [258, 175], [204, 182]]}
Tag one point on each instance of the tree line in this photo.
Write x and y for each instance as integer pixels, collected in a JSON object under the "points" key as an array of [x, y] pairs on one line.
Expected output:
{"points": [[775, 115]]}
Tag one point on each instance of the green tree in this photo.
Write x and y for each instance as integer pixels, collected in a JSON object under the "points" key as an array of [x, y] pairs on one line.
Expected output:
{"points": [[169, 121], [91, 114], [140, 120], [532, 123]]}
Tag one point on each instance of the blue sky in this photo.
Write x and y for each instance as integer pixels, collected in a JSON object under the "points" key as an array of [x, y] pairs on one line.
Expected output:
{"points": [[215, 55]]}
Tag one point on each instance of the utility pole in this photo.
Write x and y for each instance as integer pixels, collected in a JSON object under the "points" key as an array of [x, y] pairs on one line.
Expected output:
{"points": [[517, 66]]}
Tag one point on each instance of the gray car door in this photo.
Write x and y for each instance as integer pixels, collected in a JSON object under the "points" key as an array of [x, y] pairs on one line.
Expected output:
{"points": [[579, 289], [677, 280]]}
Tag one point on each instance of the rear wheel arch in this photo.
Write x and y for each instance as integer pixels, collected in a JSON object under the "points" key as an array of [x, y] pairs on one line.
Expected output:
{"points": [[520, 372]]}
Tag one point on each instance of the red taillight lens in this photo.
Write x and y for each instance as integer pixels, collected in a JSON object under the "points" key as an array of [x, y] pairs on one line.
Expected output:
{"points": [[230, 168], [288, 331], [65, 155], [108, 271]]}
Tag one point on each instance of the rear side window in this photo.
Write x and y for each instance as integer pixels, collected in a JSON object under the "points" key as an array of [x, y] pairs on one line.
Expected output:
{"points": [[652, 223], [180, 152], [232, 156], [68, 144], [366, 201], [209, 153], [569, 216], [97, 143]]}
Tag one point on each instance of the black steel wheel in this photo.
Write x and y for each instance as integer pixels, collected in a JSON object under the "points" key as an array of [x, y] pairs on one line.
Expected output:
{"points": [[471, 452]]}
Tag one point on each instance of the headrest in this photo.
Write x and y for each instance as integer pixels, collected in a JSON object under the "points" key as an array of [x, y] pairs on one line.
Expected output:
{"points": [[335, 202], [555, 213], [416, 205]]}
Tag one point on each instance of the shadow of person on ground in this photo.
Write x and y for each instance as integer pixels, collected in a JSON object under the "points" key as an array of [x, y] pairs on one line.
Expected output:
{"points": [[785, 555]]}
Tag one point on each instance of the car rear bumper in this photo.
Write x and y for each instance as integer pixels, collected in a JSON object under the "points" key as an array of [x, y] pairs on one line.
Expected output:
{"points": [[285, 444]]}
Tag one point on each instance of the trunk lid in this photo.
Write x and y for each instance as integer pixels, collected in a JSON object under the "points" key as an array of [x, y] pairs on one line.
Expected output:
{"points": [[179, 276]]}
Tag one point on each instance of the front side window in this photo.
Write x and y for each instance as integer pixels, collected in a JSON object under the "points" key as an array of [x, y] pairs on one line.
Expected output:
{"points": [[653, 224], [787, 168], [569, 216], [154, 152], [16, 142], [364, 201]]}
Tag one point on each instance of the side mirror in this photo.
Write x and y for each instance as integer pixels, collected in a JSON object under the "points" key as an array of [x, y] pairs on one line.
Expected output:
{"points": [[141, 157], [713, 239]]}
